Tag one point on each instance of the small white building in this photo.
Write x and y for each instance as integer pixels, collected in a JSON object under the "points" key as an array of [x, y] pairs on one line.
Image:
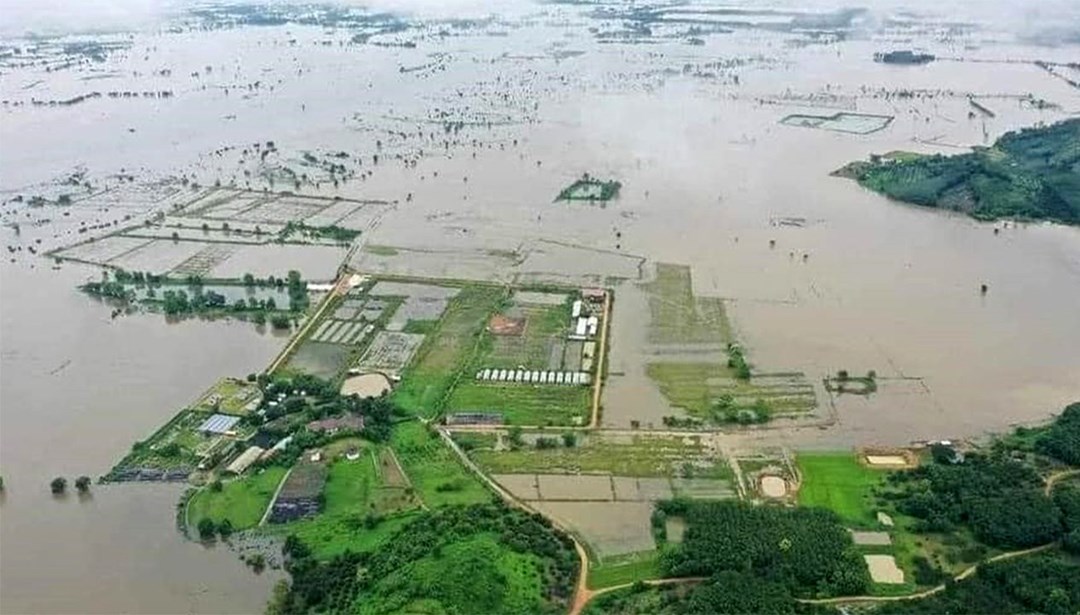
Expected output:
{"points": [[582, 327], [576, 309], [593, 324]]}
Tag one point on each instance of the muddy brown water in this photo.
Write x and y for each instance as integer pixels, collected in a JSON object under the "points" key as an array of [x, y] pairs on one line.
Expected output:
{"points": [[706, 169], [76, 390]]}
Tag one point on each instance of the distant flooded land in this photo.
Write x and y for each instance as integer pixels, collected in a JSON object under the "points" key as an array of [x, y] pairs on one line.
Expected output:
{"points": [[1030, 174]]}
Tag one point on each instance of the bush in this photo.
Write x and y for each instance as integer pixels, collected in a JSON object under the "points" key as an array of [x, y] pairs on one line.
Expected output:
{"points": [[207, 528], [58, 485]]}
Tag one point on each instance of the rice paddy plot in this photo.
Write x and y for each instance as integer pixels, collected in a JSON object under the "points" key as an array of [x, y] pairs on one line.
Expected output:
{"points": [[838, 481], [610, 528], [640, 456], [677, 316], [102, 250], [522, 404]]}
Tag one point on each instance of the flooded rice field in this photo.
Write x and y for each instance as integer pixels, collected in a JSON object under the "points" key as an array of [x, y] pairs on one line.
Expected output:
{"points": [[435, 147]]}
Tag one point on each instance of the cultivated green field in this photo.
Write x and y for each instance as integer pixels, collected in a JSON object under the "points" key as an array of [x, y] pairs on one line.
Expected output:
{"points": [[356, 487], [242, 501], [332, 535], [838, 481], [696, 387], [643, 457], [621, 570], [523, 404], [678, 316], [437, 475], [545, 327], [447, 350]]}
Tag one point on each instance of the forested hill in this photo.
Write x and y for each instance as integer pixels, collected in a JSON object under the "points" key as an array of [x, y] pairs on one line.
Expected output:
{"points": [[1031, 174]]}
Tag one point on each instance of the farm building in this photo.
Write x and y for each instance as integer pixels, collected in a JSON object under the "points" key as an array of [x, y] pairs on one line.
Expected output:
{"points": [[245, 459], [218, 424], [594, 295]]}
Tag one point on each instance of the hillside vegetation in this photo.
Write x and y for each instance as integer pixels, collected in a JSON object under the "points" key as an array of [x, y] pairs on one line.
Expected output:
{"points": [[1032, 174]]}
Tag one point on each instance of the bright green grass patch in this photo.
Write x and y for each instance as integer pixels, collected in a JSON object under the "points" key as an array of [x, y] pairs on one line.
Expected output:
{"points": [[522, 404], [331, 535], [626, 569], [447, 350], [476, 575], [838, 481], [435, 471], [242, 501]]}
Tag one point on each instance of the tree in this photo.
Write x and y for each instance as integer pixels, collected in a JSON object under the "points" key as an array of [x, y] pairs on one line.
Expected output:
{"points": [[207, 528], [216, 486], [83, 484], [280, 321], [225, 529], [569, 439], [58, 485], [515, 437]]}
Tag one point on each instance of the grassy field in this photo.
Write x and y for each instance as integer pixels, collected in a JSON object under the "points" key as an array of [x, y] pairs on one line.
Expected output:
{"points": [[625, 569], [447, 350], [242, 501], [329, 535], [642, 457], [355, 487], [838, 481], [695, 387], [436, 473], [678, 316], [522, 404]]}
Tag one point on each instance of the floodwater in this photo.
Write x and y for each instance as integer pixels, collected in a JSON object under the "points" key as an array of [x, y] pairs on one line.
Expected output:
{"points": [[693, 133], [76, 390]]}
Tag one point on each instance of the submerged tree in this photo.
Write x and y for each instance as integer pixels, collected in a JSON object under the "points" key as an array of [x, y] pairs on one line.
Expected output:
{"points": [[58, 485], [83, 484]]}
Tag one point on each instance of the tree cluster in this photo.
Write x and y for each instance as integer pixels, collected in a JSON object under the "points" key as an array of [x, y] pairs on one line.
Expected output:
{"points": [[805, 549]]}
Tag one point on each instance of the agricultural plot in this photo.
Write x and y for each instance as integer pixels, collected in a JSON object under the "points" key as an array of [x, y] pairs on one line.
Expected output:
{"points": [[204, 260], [854, 123], [521, 404], [447, 350], [422, 301], [639, 456], [610, 528], [102, 250], [590, 189], [359, 487], [433, 469], [299, 496], [710, 391], [677, 316], [389, 353], [320, 359]]}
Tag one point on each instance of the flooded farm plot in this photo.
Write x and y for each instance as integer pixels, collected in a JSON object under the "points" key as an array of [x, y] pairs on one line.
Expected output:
{"points": [[313, 262], [102, 250], [610, 528], [320, 359], [698, 369], [574, 488], [389, 353], [477, 264], [855, 123], [423, 302], [159, 256]]}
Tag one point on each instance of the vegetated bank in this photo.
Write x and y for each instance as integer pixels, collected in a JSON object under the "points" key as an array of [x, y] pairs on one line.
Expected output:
{"points": [[485, 558], [1031, 174]]}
